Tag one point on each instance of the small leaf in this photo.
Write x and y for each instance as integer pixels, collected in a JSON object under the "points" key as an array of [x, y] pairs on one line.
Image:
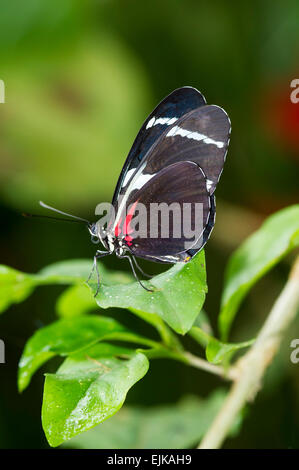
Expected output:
{"points": [[75, 301], [88, 388], [217, 352], [178, 297], [62, 338], [175, 426], [278, 235]]}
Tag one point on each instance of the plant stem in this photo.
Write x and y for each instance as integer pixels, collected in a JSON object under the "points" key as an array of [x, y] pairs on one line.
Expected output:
{"points": [[207, 366], [167, 336], [252, 366]]}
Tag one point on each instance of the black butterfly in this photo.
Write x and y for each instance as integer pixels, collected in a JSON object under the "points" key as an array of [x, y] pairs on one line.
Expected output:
{"points": [[177, 156]]}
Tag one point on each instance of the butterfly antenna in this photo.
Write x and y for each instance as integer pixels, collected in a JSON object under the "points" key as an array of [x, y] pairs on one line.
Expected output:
{"points": [[38, 216], [45, 206]]}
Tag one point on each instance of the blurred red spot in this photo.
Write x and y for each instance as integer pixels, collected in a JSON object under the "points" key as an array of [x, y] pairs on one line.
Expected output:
{"points": [[282, 115]]}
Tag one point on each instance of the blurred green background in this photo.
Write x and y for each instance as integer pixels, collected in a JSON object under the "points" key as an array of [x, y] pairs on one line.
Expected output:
{"points": [[80, 79]]}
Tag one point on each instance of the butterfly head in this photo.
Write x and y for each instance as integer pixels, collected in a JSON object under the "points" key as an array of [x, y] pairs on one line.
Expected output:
{"points": [[92, 228], [98, 234]]}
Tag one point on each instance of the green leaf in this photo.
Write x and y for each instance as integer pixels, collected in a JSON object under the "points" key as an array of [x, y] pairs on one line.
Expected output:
{"points": [[217, 352], [178, 426], [168, 337], [14, 287], [78, 271], [88, 388], [75, 301], [78, 300], [178, 297], [278, 235], [65, 272], [63, 337]]}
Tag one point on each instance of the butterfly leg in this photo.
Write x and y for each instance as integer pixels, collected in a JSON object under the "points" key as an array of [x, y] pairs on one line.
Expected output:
{"points": [[99, 254], [149, 276], [134, 272]]}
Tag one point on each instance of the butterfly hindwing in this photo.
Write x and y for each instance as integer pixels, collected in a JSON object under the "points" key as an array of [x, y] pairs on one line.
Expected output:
{"points": [[174, 186]]}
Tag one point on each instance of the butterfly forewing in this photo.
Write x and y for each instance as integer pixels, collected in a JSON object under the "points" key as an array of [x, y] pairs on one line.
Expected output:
{"points": [[201, 136], [173, 107]]}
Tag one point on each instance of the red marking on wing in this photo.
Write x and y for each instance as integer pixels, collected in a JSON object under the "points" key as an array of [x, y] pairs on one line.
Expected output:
{"points": [[129, 239], [117, 230], [127, 227]]}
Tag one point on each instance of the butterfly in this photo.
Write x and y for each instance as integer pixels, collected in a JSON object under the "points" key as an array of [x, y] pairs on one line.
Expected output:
{"points": [[177, 157]]}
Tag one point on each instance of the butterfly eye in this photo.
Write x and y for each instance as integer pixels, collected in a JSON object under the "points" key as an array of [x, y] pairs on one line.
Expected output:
{"points": [[95, 239]]}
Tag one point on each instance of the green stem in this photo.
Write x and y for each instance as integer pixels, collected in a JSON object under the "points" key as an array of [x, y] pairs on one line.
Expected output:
{"points": [[167, 336], [200, 336], [200, 363]]}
